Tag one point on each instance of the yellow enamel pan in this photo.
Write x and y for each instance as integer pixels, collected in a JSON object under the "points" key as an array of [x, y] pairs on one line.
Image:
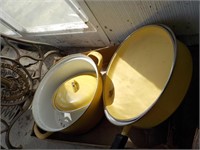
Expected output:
{"points": [[147, 78]]}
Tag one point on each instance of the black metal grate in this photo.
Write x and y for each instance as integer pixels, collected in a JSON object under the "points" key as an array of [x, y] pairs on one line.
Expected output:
{"points": [[23, 65]]}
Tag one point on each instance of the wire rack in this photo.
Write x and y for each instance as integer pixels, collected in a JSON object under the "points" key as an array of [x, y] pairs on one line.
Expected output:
{"points": [[23, 65]]}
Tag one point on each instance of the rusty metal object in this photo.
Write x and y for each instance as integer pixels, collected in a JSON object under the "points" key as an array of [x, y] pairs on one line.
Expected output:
{"points": [[21, 71], [15, 84]]}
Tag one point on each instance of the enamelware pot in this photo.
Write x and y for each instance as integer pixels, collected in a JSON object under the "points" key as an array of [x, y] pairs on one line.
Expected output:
{"points": [[53, 117]]}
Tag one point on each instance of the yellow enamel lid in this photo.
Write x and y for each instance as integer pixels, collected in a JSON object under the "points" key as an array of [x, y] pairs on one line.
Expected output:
{"points": [[138, 73], [75, 93]]}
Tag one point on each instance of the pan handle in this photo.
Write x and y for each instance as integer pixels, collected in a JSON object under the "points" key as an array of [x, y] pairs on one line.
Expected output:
{"points": [[121, 139], [99, 58], [40, 135]]}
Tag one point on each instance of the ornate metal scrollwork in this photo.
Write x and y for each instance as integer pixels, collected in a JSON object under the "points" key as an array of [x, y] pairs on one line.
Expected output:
{"points": [[23, 65], [16, 83]]}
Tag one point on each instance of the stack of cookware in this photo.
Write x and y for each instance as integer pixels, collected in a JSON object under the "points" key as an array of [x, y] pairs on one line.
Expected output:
{"points": [[145, 82]]}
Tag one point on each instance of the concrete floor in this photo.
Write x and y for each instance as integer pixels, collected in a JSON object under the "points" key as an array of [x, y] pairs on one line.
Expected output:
{"points": [[99, 137]]}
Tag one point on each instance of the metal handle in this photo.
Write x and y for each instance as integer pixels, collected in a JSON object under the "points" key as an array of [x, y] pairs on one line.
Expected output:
{"points": [[40, 135], [121, 139], [99, 57], [119, 142]]}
